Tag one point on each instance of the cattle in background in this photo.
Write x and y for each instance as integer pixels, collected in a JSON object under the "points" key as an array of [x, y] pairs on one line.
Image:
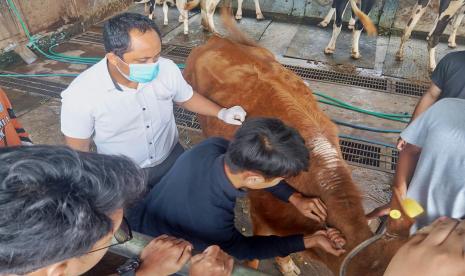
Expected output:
{"points": [[338, 7], [447, 10], [236, 71], [184, 6], [208, 8]]}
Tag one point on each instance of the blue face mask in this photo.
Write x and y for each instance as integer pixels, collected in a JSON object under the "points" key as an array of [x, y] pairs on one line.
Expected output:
{"points": [[142, 73]]}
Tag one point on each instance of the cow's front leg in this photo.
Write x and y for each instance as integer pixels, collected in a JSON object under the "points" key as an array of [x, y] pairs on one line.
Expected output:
{"points": [[355, 43], [165, 13], [327, 18], [239, 9], [258, 11], [287, 266], [417, 12], [337, 26], [331, 48], [458, 19]]}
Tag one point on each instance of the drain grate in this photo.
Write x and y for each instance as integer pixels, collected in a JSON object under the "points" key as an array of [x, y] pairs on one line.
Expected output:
{"points": [[185, 118], [337, 77], [410, 89], [89, 37], [33, 85], [383, 84]]}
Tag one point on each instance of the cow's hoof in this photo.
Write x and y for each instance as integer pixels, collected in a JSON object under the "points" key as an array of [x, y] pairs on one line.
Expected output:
{"points": [[399, 56], [288, 267], [238, 16], [355, 55], [452, 45], [186, 32], [323, 24], [165, 23], [151, 16], [260, 16], [330, 51]]}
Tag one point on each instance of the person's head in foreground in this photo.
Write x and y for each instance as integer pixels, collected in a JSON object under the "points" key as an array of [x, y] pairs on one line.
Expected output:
{"points": [[61, 208], [265, 151]]}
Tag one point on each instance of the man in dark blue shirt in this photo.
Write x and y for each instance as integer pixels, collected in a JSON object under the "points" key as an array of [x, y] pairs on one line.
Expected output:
{"points": [[195, 200]]}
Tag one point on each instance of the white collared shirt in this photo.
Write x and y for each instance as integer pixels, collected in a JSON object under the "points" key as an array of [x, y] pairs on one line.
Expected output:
{"points": [[138, 123]]}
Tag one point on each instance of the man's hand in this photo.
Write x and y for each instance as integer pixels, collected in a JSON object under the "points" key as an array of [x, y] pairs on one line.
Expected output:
{"points": [[163, 256], [379, 212], [234, 115], [401, 144], [329, 240], [212, 262], [312, 208], [437, 250]]}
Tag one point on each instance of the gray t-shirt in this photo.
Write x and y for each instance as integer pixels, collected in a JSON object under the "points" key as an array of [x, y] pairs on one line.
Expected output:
{"points": [[449, 75], [438, 183]]}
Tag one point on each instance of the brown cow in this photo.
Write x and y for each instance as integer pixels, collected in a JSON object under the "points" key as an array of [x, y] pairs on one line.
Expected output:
{"points": [[235, 71]]}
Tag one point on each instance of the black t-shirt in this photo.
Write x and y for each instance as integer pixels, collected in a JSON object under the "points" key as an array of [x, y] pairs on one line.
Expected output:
{"points": [[195, 201], [449, 75]]}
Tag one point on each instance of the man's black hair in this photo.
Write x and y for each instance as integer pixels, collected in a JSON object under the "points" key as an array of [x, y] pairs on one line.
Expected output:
{"points": [[269, 147], [55, 203], [116, 31]]}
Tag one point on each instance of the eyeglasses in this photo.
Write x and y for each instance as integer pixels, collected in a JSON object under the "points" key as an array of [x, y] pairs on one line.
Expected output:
{"points": [[122, 235]]}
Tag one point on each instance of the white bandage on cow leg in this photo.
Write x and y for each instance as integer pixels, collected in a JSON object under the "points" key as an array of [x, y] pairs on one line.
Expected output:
{"points": [[327, 18], [258, 11], [239, 10], [331, 48], [457, 21], [165, 13], [432, 59], [351, 22], [417, 13], [355, 44]]}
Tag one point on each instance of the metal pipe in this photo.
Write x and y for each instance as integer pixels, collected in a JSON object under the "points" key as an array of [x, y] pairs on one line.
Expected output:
{"points": [[134, 247]]}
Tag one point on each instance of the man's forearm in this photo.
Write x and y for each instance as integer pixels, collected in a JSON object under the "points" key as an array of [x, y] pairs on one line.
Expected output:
{"points": [[78, 144], [427, 100], [201, 105], [406, 165]]}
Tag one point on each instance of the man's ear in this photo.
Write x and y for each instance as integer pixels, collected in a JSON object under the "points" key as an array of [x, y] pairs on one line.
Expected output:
{"points": [[58, 269], [112, 59], [251, 179]]}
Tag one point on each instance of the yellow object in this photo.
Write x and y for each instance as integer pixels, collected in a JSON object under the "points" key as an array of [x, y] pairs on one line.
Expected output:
{"points": [[411, 207], [395, 214]]}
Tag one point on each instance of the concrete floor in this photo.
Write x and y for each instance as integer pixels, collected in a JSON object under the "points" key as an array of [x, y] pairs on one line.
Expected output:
{"points": [[40, 114]]}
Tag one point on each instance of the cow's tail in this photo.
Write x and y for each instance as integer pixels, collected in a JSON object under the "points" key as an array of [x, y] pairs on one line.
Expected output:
{"points": [[366, 21], [192, 4], [234, 33]]}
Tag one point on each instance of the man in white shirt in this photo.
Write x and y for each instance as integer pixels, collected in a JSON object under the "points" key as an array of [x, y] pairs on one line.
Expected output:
{"points": [[125, 101]]}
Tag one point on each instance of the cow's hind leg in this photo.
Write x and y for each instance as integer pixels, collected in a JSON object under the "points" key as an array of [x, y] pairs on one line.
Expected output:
{"points": [[443, 19], [210, 12], [367, 5], [287, 266], [352, 20], [258, 10], [417, 12], [328, 16], [165, 12], [239, 9], [151, 9], [340, 7], [457, 21]]}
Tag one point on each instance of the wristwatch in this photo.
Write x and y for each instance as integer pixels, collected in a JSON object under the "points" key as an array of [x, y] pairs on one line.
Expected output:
{"points": [[129, 267]]}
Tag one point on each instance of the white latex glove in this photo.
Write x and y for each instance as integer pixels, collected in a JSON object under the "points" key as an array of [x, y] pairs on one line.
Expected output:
{"points": [[234, 115]]}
